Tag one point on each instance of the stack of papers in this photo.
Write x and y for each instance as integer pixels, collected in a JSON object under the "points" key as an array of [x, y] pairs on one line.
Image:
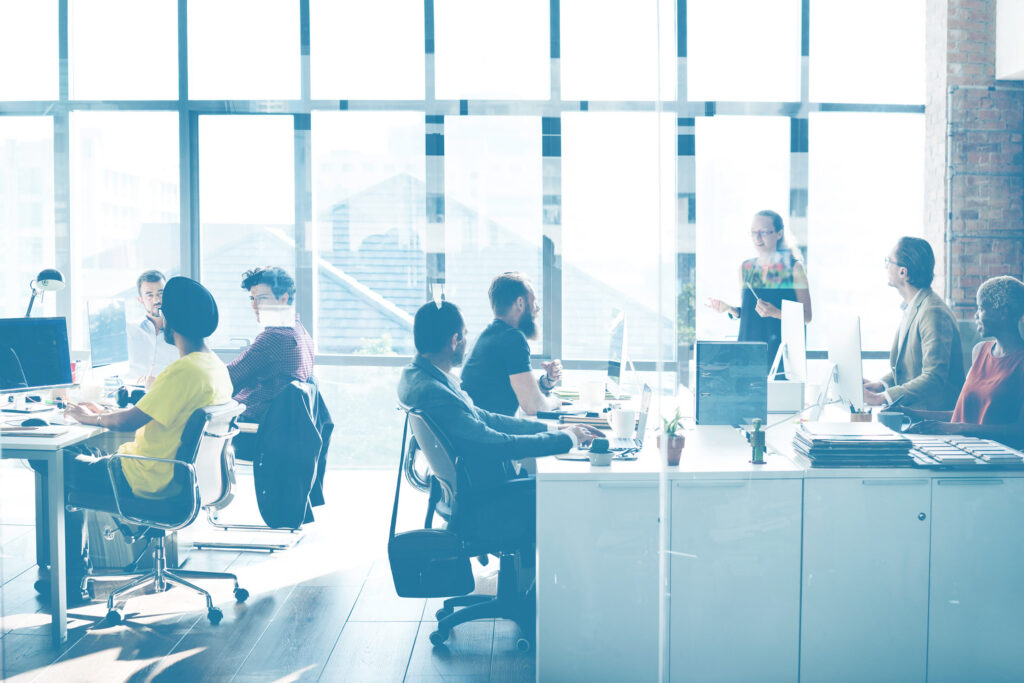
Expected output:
{"points": [[852, 444], [963, 451]]}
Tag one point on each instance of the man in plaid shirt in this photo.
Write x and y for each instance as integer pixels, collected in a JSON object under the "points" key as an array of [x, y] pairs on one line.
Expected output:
{"points": [[282, 352]]}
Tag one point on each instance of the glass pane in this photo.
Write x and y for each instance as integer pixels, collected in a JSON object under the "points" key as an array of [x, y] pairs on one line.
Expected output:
{"points": [[367, 428], [609, 49], [487, 50], [891, 71], [369, 203], [123, 50], [754, 59], [610, 228], [493, 209], [879, 160], [742, 168], [366, 50], [243, 49], [26, 211], [125, 210], [28, 50], [246, 210]]}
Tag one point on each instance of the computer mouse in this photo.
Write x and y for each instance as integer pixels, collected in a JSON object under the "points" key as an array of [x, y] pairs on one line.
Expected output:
{"points": [[35, 422]]}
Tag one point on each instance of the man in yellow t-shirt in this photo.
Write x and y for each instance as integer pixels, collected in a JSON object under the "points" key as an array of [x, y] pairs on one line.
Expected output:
{"points": [[196, 380]]}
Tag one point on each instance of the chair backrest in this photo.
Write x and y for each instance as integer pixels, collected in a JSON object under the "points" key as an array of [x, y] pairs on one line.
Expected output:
{"points": [[437, 450], [204, 444]]}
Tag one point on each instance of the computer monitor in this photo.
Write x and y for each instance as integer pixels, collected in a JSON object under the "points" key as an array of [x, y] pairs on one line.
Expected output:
{"points": [[34, 354], [845, 359], [794, 341], [108, 332], [616, 350]]}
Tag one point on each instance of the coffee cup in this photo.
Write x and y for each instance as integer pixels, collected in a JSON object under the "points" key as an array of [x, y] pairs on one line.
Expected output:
{"points": [[894, 420], [622, 422], [599, 454]]}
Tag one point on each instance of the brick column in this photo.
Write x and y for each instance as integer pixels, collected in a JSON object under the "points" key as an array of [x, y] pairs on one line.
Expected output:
{"points": [[974, 162]]}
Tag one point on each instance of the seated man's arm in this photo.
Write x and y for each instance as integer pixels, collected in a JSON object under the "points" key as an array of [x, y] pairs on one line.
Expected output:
{"points": [[126, 420], [937, 332], [490, 436], [527, 391], [253, 361]]}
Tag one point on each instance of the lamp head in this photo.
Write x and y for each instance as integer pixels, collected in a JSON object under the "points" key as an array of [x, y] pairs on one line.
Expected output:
{"points": [[48, 280]]}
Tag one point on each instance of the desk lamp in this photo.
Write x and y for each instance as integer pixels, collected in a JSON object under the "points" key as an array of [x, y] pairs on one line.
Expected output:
{"points": [[48, 280]]}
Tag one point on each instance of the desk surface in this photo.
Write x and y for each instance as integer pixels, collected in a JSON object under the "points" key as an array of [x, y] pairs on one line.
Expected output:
{"points": [[75, 434]]}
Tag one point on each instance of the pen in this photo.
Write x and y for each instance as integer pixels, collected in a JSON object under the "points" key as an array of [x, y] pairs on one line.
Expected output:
{"points": [[756, 297]]}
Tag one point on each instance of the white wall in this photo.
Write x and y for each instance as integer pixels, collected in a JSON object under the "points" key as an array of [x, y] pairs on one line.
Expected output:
{"points": [[1009, 43]]}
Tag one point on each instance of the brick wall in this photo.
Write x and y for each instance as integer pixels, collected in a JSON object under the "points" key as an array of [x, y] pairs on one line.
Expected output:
{"points": [[984, 233]]}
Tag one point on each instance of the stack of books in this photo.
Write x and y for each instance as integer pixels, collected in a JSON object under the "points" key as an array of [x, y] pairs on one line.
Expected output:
{"points": [[852, 444]]}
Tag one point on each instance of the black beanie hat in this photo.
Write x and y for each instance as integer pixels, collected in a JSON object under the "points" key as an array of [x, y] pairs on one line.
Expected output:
{"points": [[189, 308]]}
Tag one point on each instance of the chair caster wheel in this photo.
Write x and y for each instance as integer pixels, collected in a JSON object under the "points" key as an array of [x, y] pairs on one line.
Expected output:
{"points": [[437, 638], [241, 595], [115, 617], [215, 615], [444, 612], [523, 645]]}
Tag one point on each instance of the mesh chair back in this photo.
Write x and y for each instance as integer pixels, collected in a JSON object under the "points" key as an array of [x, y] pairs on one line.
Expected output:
{"points": [[437, 450], [203, 444]]}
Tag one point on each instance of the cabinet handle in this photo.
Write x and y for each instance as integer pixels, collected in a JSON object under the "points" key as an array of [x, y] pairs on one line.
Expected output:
{"points": [[921, 516], [628, 485], [719, 483], [969, 482], [893, 482]]}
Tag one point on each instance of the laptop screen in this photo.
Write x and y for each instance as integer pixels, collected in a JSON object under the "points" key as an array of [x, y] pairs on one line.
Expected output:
{"points": [[645, 406]]}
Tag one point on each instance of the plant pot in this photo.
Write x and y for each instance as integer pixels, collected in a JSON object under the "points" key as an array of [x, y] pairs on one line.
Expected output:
{"points": [[673, 447]]}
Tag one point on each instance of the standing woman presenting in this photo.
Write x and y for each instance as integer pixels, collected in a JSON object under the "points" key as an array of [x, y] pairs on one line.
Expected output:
{"points": [[775, 275]]}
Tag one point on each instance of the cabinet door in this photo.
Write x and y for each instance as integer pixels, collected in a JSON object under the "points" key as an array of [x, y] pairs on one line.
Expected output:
{"points": [[865, 580], [976, 622], [597, 581], [735, 573]]}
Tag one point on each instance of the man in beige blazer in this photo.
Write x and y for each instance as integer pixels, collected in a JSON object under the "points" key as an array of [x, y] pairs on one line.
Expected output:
{"points": [[926, 362]]}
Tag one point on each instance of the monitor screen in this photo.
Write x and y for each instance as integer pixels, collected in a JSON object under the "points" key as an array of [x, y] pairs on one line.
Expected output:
{"points": [[34, 354], [845, 357], [794, 346], [616, 347], [108, 332]]}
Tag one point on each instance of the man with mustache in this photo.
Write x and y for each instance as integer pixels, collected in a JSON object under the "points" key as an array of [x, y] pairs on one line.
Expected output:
{"points": [[497, 375]]}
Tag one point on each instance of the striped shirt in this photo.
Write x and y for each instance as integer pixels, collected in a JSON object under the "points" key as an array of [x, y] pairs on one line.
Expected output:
{"points": [[276, 357]]}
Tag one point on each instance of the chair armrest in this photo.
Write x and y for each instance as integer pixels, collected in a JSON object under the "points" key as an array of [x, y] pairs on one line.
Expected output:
{"points": [[115, 485], [246, 427]]}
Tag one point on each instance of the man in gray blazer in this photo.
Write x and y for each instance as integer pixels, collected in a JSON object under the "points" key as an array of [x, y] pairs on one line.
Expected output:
{"points": [[485, 443], [926, 361]]}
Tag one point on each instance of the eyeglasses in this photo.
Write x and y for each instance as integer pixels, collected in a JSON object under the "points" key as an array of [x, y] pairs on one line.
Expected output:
{"points": [[762, 233], [890, 262]]}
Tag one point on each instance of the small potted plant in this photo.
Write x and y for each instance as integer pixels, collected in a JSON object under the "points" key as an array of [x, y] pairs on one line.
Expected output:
{"points": [[672, 432]]}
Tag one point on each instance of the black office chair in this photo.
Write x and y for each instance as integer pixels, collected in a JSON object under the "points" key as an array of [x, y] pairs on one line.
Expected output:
{"points": [[287, 402], [509, 603], [202, 473]]}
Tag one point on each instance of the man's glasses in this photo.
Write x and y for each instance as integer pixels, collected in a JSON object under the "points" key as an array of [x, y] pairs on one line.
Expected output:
{"points": [[890, 262]]}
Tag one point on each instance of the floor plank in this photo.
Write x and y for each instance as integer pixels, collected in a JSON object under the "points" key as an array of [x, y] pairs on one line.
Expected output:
{"points": [[301, 637], [467, 652], [21, 656], [508, 663], [371, 650]]}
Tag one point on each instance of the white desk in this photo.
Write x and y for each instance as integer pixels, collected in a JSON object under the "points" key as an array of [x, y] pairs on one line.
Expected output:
{"points": [[51, 451], [777, 572]]}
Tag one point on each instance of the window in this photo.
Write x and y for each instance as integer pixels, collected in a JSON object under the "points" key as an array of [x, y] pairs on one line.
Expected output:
{"points": [[26, 210], [613, 178], [243, 49], [492, 51], [369, 197], [125, 209], [743, 50], [246, 210], [366, 50], [493, 209], [123, 50], [28, 50]]}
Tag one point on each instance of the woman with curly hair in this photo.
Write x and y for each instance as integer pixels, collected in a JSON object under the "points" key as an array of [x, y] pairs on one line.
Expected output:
{"points": [[991, 403]]}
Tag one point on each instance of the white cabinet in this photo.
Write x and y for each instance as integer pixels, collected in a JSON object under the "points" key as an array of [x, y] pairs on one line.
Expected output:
{"points": [[735, 580], [977, 580], [597, 580], [865, 580]]}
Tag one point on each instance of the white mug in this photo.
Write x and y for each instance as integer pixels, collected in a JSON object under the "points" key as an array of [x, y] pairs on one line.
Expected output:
{"points": [[622, 421]]}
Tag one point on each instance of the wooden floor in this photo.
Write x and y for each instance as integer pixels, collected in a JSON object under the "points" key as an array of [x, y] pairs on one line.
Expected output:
{"points": [[324, 610]]}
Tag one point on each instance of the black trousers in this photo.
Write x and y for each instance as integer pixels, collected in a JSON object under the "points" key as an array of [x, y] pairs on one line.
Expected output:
{"points": [[506, 516], [245, 446], [85, 475]]}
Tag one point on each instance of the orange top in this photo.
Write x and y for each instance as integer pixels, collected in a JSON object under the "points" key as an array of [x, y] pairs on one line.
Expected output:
{"points": [[994, 390]]}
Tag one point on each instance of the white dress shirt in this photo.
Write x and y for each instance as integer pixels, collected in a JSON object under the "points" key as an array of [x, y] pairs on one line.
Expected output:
{"points": [[148, 353]]}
